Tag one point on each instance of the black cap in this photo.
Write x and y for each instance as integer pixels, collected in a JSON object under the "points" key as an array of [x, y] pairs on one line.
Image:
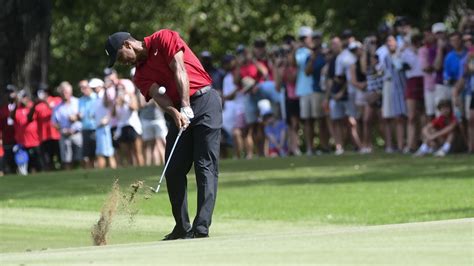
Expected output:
{"points": [[347, 33], [114, 42], [259, 43]]}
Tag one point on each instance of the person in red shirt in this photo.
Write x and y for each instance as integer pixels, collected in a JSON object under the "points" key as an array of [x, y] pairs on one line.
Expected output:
{"points": [[439, 133], [26, 131], [49, 136], [6, 128], [163, 59], [249, 67]]}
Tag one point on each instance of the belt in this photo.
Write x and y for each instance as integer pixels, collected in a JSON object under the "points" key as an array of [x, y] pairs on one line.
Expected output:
{"points": [[201, 92]]}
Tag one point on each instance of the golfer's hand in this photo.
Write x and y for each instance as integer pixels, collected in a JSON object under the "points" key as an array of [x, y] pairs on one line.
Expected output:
{"points": [[187, 112], [180, 120]]}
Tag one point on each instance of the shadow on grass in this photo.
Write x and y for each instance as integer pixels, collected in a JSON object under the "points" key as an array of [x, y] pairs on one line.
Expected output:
{"points": [[96, 182], [468, 212], [367, 176]]}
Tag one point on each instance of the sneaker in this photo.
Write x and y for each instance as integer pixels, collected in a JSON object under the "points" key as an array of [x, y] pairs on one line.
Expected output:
{"points": [[339, 152], [309, 153], [297, 152], [406, 150], [440, 153], [174, 235], [389, 150]]}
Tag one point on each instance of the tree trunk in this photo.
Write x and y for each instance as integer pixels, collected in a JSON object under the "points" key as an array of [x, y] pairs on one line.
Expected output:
{"points": [[24, 43]]}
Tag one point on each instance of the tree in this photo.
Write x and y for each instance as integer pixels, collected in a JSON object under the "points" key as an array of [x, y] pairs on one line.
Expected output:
{"points": [[24, 46]]}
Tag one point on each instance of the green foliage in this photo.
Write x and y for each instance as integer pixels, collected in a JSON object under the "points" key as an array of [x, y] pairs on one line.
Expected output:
{"points": [[79, 28]]}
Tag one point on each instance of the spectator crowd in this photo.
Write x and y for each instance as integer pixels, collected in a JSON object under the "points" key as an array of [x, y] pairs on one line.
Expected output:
{"points": [[404, 89]]}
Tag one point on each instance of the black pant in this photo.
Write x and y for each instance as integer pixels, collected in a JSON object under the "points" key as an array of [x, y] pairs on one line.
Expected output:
{"points": [[9, 165], [35, 160], [199, 144], [50, 151]]}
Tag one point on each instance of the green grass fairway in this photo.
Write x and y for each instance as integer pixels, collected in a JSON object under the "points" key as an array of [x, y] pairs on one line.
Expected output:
{"points": [[351, 209]]}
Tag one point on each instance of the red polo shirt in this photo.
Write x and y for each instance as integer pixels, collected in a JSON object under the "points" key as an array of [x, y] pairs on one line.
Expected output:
{"points": [[162, 46], [46, 130], [26, 133], [442, 121]]}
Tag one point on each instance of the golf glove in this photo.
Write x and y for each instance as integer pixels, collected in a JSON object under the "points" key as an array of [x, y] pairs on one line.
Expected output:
{"points": [[187, 112]]}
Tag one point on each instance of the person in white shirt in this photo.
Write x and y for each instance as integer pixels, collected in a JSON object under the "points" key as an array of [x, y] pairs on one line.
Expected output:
{"points": [[414, 92], [234, 107], [343, 68], [129, 127], [102, 106]]}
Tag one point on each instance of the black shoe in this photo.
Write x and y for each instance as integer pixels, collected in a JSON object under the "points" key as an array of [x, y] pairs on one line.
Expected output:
{"points": [[173, 236], [200, 235]]}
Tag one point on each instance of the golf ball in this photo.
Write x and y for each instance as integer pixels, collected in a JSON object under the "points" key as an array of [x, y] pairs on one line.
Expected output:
{"points": [[161, 90]]}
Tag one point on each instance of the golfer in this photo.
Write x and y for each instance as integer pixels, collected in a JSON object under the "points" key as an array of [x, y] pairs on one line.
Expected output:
{"points": [[163, 59]]}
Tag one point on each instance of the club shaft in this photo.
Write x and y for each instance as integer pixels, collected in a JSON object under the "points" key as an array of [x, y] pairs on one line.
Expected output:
{"points": [[169, 159]]}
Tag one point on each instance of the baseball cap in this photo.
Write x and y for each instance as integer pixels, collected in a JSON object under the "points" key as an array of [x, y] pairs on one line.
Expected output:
{"points": [[305, 31], [317, 34], [354, 45], [11, 88], [227, 58], [206, 54], [240, 49], [95, 82], [113, 44], [438, 27], [259, 43]]}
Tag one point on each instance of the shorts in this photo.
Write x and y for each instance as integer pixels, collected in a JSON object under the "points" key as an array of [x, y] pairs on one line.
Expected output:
{"points": [[414, 89], [154, 129], [352, 107], [88, 143], [104, 146], [442, 92], [360, 98], [311, 106], [340, 109], [128, 135], [71, 148], [251, 108], [469, 106], [430, 103]]}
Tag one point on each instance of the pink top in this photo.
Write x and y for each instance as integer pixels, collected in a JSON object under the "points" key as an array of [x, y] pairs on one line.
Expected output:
{"points": [[429, 79]]}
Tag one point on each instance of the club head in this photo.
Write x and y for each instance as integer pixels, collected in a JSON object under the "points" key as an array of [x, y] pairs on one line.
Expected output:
{"points": [[152, 189]]}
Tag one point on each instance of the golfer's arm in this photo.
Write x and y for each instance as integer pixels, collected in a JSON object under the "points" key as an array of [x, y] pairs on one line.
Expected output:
{"points": [[181, 77], [162, 100]]}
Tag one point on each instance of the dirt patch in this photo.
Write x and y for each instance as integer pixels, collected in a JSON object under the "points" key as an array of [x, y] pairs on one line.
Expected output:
{"points": [[109, 209], [123, 202]]}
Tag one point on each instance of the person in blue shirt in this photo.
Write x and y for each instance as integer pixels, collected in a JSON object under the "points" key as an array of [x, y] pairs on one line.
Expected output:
{"points": [[86, 115], [314, 65], [465, 86], [276, 132], [304, 87], [453, 59]]}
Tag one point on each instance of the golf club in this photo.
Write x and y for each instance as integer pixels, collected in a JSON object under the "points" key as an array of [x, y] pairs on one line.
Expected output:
{"points": [[169, 158]]}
